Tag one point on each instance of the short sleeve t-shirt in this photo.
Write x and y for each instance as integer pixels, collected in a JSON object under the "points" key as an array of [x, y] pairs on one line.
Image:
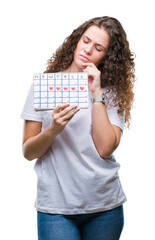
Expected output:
{"points": [[72, 177]]}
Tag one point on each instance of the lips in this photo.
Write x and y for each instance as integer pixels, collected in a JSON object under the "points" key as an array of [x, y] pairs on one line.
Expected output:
{"points": [[84, 58]]}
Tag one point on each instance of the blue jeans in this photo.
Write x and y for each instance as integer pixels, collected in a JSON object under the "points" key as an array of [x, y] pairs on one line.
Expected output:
{"points": [[105, 225]]}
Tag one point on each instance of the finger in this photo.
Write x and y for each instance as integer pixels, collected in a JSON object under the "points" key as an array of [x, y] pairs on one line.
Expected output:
{"points": [[67, 110], [69, 116], [60, 107], [88, 64]]}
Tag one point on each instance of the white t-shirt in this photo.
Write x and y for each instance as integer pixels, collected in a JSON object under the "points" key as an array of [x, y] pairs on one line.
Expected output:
{"points": [[72, 177]]}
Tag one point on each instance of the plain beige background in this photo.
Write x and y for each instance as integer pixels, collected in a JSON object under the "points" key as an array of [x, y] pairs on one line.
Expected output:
{"points": [[30, 33]]}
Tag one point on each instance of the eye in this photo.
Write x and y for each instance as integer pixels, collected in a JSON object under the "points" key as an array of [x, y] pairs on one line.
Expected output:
{"points": [[98, 49], [85, 41]]}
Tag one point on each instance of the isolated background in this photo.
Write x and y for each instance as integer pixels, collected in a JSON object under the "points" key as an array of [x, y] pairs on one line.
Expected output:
{"points": [[30, 33]]}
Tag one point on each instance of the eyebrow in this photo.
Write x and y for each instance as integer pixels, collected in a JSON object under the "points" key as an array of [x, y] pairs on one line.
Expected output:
{"points": [[96, 43]]}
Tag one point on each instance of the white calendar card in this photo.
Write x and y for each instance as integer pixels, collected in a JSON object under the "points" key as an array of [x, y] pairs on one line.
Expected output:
{"points": [[52, 89]]}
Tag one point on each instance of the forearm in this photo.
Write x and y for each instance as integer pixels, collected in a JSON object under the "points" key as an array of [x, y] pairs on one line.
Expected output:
{"points": [[36, 146], [106, 137], [103, 133], [37, 143]]}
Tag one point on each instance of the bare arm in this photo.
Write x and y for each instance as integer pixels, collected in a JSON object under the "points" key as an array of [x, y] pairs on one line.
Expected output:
{"points": [[35, 142], [106, 136]]}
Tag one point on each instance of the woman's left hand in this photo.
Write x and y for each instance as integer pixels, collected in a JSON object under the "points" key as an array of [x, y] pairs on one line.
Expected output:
{"points": [[94, 79]]}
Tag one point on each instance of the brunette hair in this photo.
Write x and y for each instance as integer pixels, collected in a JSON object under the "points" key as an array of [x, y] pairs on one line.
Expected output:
{"points": [[117, 68]]}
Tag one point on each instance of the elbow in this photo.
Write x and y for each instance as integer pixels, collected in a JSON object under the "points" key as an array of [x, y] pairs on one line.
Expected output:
{"points": [[106, 146], [28, 158], [26, 154], [107, 150], [105, 154]]}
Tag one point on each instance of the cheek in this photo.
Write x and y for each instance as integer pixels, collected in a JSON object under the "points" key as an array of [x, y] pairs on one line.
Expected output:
{"points": [[79, 46], [98, 60], [76, 50]]}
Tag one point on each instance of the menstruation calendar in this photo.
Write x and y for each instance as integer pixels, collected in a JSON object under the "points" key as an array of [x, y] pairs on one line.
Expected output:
{"points": [[52, 89]]}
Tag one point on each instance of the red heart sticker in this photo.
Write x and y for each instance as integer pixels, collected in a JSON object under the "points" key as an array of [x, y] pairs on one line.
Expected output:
{"points": [[65, 88], [73, 88], [81, 88], [58, 88], [51, 88]]}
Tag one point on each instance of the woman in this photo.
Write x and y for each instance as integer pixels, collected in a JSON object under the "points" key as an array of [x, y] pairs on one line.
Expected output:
{"points": [[79, 195]]}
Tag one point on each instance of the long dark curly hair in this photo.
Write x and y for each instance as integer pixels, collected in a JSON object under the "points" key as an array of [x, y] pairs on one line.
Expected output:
{"points": [[117, 68]]}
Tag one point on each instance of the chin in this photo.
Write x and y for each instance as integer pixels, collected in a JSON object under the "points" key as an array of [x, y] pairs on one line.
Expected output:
{"points": [[81, 66], [78, 67], [77, 64]]}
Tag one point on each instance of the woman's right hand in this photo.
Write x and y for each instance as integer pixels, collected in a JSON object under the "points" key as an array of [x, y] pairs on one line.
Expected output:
{"points": [[37, 142], [61, 115]]}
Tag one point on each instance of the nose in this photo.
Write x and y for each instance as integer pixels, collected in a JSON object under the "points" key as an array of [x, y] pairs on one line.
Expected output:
{"points": [[88, 49]]}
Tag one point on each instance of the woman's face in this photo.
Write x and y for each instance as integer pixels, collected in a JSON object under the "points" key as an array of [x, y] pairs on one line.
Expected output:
{"points": [[92, 47]]}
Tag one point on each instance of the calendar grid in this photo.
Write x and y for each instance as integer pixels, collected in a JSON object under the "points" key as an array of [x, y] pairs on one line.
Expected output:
{"points": [[52, 89]]}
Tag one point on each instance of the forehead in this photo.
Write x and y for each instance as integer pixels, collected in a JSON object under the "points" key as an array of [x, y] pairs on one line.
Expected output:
{"points": [[97, 34]]}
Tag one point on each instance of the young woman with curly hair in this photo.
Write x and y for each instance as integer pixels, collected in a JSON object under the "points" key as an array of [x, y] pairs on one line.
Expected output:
{"points": [[79, 194]]}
